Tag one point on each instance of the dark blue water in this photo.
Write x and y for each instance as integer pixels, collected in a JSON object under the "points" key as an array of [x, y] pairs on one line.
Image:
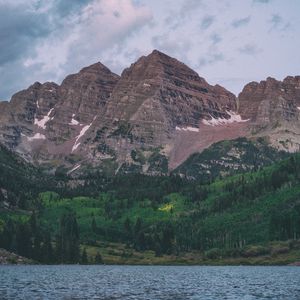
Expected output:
{"points": [[149, 282]]}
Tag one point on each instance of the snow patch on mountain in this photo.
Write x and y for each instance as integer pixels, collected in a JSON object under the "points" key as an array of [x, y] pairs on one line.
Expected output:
{"points": [[82, 132], [188, 128], [42, 123], [234, 118], [37, 136], [73, 121], [74, 169]]}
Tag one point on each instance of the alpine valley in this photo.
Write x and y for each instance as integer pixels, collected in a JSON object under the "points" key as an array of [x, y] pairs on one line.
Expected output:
{"points": [[153, 166]]}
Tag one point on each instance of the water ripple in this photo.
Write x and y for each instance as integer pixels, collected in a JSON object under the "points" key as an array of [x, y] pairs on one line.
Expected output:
{"points": [[149, 283]]}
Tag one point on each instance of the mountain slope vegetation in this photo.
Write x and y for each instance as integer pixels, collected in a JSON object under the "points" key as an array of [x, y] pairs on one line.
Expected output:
{"points": [[246, 218]]}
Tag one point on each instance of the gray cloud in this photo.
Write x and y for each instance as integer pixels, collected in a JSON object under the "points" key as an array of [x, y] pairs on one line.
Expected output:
{"points": [[241, 22], [278, 23], [262, 1], [207, 21], [44, 40], [276, 20], [190, 6], [48, 39], [215, 38], [177, 18], [23, 26], [64, 8], [211, 59], [19, 31], [249, 49], [171, 46]]}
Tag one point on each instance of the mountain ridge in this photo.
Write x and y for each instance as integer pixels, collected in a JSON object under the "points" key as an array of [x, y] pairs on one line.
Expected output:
{"points": [[148, 120]]}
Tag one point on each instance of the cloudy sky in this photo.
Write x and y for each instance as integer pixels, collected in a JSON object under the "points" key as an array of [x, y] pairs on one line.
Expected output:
{"points": [[230, 42]]}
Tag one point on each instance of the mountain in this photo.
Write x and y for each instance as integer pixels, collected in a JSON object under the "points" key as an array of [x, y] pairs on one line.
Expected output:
{"points": [[251, 218], [148, 120], [227, 158], [155, 108], [44, 122], [272, 108], [20, 181]]}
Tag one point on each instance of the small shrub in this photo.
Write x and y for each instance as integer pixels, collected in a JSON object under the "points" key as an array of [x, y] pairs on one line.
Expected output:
{"points": [[213, 253], [252, 251]]}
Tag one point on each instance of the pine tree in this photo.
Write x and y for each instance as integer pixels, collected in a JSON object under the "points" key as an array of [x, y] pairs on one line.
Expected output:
{"points": [[98, 258], [127, 227], [47, 249], [67, 245], [94, 225], [23, 239], [84, 258]]}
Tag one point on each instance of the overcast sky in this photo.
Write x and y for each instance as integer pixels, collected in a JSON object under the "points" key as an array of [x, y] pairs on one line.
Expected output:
{"points": [[230, 42]]}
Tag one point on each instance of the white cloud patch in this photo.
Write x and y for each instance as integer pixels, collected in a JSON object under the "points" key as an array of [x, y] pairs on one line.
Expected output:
{"points": [[100, 25]]}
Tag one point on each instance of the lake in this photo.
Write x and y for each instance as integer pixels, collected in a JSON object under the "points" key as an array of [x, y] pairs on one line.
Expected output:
{"points": [[149, 282]]}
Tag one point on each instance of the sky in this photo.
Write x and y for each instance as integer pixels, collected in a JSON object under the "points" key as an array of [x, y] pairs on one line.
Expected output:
{"points": [[229, 42]]}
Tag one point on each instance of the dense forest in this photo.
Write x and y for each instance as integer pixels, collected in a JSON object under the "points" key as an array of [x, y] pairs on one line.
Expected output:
{"points": [[56, 219]]}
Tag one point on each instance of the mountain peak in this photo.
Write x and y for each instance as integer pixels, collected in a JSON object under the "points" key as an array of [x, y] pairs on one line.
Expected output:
{"points": [[97, 67], [159, 56], [157, 53]]}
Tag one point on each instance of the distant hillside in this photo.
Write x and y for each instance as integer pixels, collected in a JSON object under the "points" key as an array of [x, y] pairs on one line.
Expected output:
{"points": [[20, 182], [228, 158], [248, 218]]}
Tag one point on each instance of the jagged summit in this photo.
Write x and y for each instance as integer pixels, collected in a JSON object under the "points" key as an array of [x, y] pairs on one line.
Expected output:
{"points": [[149, 119], [97, 67]]}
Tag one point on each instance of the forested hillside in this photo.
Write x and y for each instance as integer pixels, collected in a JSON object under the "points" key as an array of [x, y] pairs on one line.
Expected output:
{"points": [[152, 219], [20, 182], [230, 157]]}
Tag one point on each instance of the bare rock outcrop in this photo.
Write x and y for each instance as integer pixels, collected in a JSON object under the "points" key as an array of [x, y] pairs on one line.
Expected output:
{"points": [[273, 109], [150, 119]]}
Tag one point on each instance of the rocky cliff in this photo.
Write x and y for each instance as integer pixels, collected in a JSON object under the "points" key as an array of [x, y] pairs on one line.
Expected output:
{"points": [[273, 110], [45, 122], [159, 113], [150, 119]]}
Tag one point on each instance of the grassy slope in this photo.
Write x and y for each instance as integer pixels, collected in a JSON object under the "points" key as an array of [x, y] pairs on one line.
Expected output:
{"points": [[248, 215]]}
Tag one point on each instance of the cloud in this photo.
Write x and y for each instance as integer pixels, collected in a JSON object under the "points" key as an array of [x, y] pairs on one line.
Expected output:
{"points": [[207, 21], [44, 40], [171, 46], [63, 36], [240, 22], [276, 20], [278, 23], [65, 8], [249, 49], [20, 29], [215, 38], [104, 25], [211, 59], [188, 8], [262, 1]]}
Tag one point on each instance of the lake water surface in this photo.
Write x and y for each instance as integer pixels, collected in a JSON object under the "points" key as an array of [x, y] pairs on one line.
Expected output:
{"points": [[149, 282]]}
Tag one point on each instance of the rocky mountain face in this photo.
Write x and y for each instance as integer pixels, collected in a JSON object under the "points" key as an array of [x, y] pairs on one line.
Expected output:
{"points": [[150, 119], [158, 114], [273, 108], [44, 122]]}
